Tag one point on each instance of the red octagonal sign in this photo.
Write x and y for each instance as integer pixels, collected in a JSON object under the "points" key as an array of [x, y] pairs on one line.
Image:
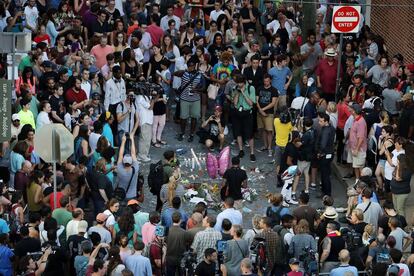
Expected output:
{"points": [[346, 19]]}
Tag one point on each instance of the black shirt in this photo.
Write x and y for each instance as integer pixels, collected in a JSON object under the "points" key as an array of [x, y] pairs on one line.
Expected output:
{"points": [[97, 27], [205, 269], [383, 223], [290, 151], [359, 227], [255, 79], [406, 121], [234, 179], [27, 245], [58, 105], [266, 96], [244, 13]]}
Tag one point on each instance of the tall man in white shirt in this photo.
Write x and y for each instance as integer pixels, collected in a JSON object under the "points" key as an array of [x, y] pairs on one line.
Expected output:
{"points": [[32, 14], [145, 104], [115, 93]]}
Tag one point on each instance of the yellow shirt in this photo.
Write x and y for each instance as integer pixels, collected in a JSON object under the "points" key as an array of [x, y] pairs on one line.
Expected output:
{"points": [[26, 117], [282, 132]]}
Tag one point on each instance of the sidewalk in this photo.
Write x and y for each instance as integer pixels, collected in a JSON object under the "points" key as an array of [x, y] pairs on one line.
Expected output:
{"points": [[340, 172]]}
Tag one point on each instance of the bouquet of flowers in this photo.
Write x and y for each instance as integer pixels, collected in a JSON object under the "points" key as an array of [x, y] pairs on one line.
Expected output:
{"points": [[249, 194]]}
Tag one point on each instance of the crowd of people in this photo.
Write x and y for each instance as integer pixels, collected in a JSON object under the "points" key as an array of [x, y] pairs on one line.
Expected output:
{"points": [[241, 73]]}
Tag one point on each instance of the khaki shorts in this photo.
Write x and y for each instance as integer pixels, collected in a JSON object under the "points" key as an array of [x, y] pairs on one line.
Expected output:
{"points": [[357, 161], [265, 122], [303, 166], [190, 109]]}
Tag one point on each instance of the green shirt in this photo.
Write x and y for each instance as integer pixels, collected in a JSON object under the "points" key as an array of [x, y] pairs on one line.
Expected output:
{"points": [[140, 218], [25, 62], [250, 92], [62, 216]]}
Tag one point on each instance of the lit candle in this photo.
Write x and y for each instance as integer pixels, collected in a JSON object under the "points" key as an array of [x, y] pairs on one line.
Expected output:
{"points": [[192, 163]]}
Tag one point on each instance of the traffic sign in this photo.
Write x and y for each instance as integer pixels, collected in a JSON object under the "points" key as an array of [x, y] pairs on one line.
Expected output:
{"points": [[5, 109], [54, 143], [346, 19]]}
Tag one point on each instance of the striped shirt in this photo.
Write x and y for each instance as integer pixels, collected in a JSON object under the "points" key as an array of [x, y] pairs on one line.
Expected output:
{"points": [[205, 239], [188, 94]]}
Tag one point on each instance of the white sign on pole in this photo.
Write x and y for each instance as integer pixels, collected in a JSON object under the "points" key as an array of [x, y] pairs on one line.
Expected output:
{"points": [[346, 19], [62, 146]]}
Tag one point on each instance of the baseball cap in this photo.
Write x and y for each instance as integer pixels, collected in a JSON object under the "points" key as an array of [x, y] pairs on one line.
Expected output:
{"points": [[132, 202], [127, 159], [82, 226], [46, 63], [15, 117], [357, 108], [393, 270], [95, 95], [293, 261], [101, 217]]}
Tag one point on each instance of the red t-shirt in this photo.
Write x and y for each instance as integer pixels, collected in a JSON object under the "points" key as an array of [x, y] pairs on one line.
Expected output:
{"points": [[132, 28], [155, 254], [59, 195], [42, 38], [327, 74], [343, 114], [71, 96], [156, 33]]}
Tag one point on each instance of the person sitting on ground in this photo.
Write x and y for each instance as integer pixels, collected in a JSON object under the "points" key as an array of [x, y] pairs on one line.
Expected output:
{"points": [[214, 127]]}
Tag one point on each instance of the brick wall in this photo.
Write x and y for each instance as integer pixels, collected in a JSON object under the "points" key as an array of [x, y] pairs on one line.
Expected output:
{"points": [[395, 25]]}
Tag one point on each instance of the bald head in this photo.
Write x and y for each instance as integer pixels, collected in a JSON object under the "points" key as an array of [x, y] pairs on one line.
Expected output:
{"points": [[197, 218], [27, 166], [344, 256]]}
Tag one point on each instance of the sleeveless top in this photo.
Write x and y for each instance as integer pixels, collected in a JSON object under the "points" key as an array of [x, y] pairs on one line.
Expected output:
{"points": [[31, 192]]}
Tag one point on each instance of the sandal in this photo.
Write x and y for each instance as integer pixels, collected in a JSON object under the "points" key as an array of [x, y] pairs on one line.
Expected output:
{"points": [[155, 145], [161, 142]]}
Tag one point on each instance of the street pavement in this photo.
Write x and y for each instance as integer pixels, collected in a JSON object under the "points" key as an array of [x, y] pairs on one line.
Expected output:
{"points": [[261, 175]]}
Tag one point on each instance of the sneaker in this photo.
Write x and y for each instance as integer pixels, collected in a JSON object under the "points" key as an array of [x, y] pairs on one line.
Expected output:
{"points": [[293, 202], [246, 144], [294, 197], [313, 186], [145, 159], [241, 154], [180, 137], [190, 138], [306, 192], [270, 153], [234, 142], [285, 204], [252, 158], [261, 149]]}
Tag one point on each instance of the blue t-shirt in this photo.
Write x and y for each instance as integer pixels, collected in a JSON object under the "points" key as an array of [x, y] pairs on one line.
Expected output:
{"points": [[166, 217], [279, 78], [5, 262], [4, 228], [374, 198], [284, 211], [341, 270]]}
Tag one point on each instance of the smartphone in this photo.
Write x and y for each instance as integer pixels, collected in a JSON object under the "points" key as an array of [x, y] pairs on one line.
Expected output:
{"points": [[221, 246]]}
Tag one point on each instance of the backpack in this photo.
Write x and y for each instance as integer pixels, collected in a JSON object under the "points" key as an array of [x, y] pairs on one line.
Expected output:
{"points": [[156, 177], [274, 215], [259, 257], [383, 256]]}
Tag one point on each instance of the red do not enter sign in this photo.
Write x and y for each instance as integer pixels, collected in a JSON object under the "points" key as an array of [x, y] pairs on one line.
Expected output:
{"points": [[346, 19]]}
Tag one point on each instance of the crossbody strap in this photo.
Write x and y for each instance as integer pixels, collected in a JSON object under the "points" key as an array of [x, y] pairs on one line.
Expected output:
{"points": [[190, 81], [130, 180], [241, 251], [369, 204]]}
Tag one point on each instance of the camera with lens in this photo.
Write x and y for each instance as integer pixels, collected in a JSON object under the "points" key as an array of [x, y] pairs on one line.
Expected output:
{"points": [[258, 255], [188, 263], [352, 238], [308, 258]]}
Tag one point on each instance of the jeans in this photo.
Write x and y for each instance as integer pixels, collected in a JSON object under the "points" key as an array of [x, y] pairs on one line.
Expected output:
{"points": [[171, 269], [325, 165]]}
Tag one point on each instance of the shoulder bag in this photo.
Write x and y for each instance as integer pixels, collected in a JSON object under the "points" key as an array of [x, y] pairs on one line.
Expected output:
{"points": [[120, 193]]}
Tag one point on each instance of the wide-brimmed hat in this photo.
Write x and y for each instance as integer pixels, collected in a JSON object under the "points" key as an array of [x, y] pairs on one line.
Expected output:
{"points": [[330, 52], [330, 213]]}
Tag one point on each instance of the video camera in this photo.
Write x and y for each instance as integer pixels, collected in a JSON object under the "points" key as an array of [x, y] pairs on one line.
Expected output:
{"points": [[352, 238], [188, 263], [308, 257]]}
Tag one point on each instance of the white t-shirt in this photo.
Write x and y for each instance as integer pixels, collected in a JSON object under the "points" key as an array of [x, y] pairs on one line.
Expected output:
{"points": [[42, 119], [388, 169], [110, 221], [215, 14], [31, 18], [3, 21], [93, 140]]}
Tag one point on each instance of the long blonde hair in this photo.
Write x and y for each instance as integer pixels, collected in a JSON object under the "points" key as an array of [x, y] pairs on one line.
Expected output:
{"points": [[172, 186]]}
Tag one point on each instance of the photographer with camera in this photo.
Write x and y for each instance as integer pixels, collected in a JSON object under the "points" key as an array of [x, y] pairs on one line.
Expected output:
{"points": [[244, 98], [127, 116], [28, 266], [214, 126]]}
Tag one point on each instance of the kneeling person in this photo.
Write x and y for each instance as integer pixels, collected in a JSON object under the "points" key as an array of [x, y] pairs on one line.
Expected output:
{"points": [[215, 129]]}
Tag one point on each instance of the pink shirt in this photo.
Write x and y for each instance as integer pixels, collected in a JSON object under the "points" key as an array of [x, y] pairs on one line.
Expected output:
{"points": [[148, 232], [100, 53], [358, 130]]}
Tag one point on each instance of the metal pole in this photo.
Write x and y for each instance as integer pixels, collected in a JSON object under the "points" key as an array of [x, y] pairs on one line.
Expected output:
{"points": [[13, 60], [338, 73], [54, 168]]}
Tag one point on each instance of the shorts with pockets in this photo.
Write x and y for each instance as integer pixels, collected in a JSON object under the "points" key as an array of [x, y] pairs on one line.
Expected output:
{"points": [[265, 122], [190, 109]]}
